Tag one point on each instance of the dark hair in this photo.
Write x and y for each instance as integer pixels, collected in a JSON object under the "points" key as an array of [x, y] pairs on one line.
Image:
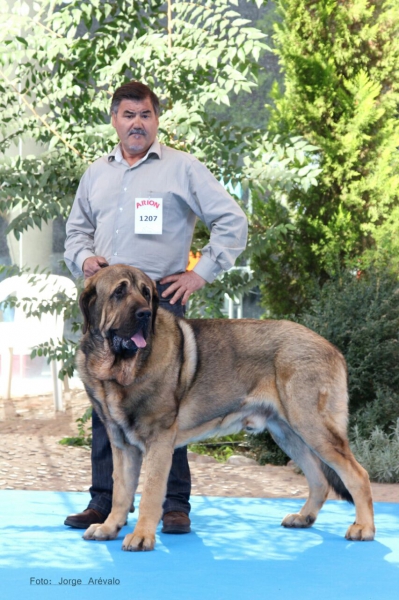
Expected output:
{"points": [[134, 91]]}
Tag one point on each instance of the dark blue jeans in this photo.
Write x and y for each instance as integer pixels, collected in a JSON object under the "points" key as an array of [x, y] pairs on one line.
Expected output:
{"points": [[179, 482]]}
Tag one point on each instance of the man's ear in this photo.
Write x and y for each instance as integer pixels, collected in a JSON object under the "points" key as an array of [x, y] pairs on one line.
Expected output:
{"points": [[87, 301], [113, 119], [155, 305]]}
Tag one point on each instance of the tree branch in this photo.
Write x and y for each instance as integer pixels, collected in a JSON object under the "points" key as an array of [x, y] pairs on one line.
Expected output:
{"points": [[40, 118]]}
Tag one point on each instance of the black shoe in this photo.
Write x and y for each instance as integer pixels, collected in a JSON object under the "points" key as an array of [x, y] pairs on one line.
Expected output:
{"points": [[176, 522], [84, 519]]}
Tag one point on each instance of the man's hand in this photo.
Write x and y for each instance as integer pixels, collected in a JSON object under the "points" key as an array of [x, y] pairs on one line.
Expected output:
{"points": [[93, 264], [183, 285]]}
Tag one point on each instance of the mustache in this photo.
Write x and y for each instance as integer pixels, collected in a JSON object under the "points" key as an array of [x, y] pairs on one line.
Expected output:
{"points": [[137, 131]]}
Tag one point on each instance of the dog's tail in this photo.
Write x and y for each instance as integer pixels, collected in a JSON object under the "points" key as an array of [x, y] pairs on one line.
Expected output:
{"points": [[336, 483]]}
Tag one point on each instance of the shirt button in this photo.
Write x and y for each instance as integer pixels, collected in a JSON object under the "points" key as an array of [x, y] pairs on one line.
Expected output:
{"points": [[117, 231], [121, 209], [124, 189], [115, 254]]}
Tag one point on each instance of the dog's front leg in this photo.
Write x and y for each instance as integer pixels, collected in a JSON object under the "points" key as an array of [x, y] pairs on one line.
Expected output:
{"points": [[158, 463], [127, 465]]}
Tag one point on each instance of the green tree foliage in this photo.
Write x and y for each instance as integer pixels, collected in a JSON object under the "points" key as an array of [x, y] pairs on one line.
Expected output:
{"points": [[248, 110], [341, 92], [58, 69]]}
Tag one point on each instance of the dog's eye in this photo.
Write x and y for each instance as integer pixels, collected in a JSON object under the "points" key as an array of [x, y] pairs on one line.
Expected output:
{"points": [[120, 291], [146, 293]]}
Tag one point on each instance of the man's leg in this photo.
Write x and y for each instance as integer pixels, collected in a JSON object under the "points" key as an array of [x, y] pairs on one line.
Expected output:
{"points": [[101, 490], [176, 507], [101, 465]]}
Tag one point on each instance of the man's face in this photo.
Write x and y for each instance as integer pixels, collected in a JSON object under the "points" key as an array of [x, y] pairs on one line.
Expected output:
{"points": [[136, 125]]}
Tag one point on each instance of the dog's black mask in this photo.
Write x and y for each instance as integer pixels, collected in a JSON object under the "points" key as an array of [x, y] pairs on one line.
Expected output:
{"points": [[120, 345], [126, 344]]}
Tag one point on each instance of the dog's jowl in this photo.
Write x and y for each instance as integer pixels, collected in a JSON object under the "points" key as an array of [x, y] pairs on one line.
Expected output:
{"points": [[158, 382]]}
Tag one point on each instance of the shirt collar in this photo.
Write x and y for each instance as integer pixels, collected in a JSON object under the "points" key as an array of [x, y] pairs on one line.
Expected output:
{"points": [[154, 150]]}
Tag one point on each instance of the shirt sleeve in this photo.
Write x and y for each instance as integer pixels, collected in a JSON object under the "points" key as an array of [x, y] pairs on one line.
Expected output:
{"points": [[80, 228], [225, 220]]}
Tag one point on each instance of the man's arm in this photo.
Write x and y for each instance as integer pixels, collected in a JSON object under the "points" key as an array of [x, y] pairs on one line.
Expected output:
{"points": [[228, 227], [226, 221], [80, 228]]}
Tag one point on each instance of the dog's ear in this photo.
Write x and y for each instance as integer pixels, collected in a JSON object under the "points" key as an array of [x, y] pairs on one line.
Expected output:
{"points": [[86, 304], [155, 305]]}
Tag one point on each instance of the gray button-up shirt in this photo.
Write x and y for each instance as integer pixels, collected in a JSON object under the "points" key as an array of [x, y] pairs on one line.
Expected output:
{"points": [[102, 219]]}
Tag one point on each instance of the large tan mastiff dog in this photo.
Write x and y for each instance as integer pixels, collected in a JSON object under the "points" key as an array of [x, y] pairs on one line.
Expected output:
{"points": [[158, 382]]}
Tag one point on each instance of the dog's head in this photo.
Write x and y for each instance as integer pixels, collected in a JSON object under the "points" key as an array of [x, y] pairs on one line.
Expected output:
{"points": [[120, 304]]}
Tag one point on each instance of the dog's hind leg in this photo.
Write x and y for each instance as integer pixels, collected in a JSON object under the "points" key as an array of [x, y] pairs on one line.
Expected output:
{"points": [[326, 437], [127, 465], [310, 464], [337, 455]]}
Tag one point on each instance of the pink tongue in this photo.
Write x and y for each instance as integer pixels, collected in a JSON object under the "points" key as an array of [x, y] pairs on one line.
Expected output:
{"points": [[139, 340]]}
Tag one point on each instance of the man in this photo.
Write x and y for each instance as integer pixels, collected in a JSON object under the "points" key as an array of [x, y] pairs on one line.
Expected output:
{"points": [[138, 205]]}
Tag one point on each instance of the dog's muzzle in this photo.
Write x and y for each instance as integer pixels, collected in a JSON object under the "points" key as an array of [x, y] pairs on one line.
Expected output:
{"points": [[129, 344]]}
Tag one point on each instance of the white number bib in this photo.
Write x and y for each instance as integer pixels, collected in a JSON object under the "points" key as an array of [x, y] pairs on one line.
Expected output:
{"points": [[148, 216]]}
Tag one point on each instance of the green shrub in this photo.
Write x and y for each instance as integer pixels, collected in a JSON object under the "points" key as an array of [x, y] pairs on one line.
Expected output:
{"points": [[360, 315], [378, 453], [383, 412], [84, 437], [222, 448]]}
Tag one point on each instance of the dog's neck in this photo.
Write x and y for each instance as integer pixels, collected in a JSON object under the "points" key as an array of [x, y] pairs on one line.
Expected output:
{"points": [[104, 365]]}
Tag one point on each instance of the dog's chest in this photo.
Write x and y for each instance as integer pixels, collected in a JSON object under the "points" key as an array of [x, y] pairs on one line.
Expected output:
{"points": [[120, 420], [121, 435]]}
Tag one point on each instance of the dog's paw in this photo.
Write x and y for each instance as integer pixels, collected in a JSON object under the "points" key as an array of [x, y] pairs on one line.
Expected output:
{"points": [[298, 520], [360, 533], [137, 542], [100, 532]]}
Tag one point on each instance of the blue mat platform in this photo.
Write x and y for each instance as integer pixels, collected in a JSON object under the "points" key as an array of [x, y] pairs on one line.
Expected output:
{"points": [[237, 551]]}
